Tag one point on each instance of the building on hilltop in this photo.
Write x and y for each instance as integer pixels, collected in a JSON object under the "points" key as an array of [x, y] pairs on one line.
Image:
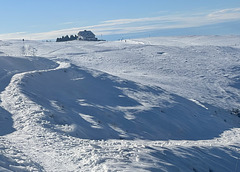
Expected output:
{"points": [[86, 36], [82, 36]]}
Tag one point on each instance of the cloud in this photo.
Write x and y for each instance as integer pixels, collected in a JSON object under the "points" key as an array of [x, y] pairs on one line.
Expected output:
{"points": [[134, 25], [67, 23], [226, 14]]}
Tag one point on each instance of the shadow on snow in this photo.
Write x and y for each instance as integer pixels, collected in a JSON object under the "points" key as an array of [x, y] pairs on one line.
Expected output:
{"points": [[9, 66], [93, 105]]}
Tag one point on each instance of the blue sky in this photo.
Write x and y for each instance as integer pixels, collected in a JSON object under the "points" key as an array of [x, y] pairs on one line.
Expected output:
{"points": [[114, 19]]}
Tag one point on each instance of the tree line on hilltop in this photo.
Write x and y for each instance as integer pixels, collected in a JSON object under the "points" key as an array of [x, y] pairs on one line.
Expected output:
{"points": [[67, 38]]}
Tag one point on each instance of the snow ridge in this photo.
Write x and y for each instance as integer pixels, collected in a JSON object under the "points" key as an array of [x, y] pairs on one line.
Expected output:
{"points": [[115, 106]]}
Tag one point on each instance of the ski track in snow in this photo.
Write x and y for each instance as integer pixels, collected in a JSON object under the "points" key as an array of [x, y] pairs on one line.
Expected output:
{"points": [[37, 136]]}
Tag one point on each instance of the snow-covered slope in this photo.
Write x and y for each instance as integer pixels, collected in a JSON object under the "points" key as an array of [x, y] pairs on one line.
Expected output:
{"points": [[155, 104]]}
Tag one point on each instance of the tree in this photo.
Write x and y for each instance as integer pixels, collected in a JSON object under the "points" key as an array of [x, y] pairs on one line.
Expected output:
{"points": [[72, 38], [67, 38], [76, 37], [58, 40]]}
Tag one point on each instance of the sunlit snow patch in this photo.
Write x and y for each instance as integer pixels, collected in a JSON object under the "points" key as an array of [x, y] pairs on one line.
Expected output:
{"points": [[94, 123], [198, 103]]}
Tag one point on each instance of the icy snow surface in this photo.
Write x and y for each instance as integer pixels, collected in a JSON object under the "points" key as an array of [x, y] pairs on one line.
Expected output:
{"points": [[153, 104]]}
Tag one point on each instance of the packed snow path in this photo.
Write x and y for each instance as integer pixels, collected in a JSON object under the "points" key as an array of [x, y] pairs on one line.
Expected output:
{"points": [[64, 113]]}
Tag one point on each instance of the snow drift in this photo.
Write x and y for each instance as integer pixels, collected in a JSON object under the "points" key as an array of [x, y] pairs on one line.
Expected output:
{"points": [[155, 104], [95, 105]]}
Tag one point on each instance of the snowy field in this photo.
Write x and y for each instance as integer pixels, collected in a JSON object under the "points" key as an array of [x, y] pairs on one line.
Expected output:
{"points": [[152, 104]]}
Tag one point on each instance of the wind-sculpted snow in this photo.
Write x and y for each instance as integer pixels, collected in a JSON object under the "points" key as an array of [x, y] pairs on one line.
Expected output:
{"points": [[12, 159], [6, 122], [154, 104], [12, 65], [94, 105], [190, 67], [8, 67]]}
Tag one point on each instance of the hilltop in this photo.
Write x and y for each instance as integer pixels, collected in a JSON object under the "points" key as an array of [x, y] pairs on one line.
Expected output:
{"points": [[153, 104]]}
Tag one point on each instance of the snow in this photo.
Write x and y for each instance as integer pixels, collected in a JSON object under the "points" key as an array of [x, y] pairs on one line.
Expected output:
{"points": [[152, 104]]}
